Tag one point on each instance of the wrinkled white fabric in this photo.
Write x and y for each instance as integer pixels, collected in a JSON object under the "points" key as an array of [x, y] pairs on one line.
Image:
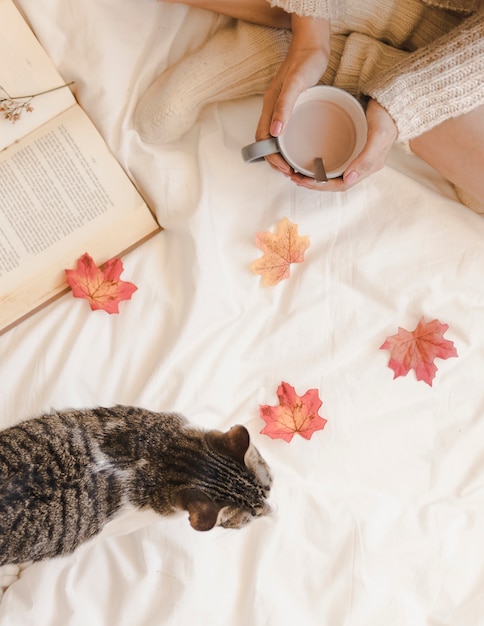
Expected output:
{"points": [[378, 518]]}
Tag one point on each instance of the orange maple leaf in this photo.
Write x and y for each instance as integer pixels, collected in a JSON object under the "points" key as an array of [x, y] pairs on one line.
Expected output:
{"points": [[295, 414], [100, 285], [417, 350], [280, 250]]}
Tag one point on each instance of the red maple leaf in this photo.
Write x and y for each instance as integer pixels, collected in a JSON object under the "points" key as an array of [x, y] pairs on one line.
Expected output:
{"points": [[417, 350], [280, 249], [100, 285], [294, 414]]}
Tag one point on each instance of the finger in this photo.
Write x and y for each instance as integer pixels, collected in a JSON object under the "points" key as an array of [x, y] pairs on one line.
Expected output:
{"points": [[371, 159], [277, 162], [381, 136], [333, 184], [284, 104], [263, 130]]}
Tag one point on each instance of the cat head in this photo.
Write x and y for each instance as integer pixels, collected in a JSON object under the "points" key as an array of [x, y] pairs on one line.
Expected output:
{"points": [[235, 486]]}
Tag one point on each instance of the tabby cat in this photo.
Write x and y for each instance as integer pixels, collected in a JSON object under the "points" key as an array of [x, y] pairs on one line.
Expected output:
{"points": [[64, 475]]}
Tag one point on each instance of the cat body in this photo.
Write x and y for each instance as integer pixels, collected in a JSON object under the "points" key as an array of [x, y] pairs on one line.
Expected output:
{"points": [[64, 475]]}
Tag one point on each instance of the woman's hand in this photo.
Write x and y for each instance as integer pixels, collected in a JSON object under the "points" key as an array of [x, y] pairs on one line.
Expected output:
{"points": [[304, 65], [382, 133]]}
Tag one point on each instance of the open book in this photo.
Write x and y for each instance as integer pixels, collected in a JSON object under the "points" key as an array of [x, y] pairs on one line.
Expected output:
{"points": [[62, 192]]}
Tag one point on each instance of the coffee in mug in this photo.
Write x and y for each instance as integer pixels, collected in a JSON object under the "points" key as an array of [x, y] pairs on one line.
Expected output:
{"points": [[327, 123]]}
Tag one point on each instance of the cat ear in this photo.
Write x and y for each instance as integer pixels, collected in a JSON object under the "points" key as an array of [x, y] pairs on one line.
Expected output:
{"points": [[202, 512], [234, 443]]}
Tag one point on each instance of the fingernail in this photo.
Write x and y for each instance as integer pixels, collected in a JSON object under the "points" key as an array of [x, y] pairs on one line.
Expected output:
{"points": [[276, 128], [350, 177]]}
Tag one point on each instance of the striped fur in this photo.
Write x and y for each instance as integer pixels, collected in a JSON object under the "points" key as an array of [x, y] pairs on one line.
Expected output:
{"points": [[63, 476]]}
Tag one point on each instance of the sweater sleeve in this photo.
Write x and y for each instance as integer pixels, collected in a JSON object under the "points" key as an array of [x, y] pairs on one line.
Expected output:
{"points": [[436, 82], [320, 9]]}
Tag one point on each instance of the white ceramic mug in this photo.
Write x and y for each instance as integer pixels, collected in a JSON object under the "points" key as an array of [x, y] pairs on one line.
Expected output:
{"points": [[327, 123]]}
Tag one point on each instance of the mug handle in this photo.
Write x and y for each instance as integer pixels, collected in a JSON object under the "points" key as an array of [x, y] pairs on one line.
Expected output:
{"points": [[259, 149]]}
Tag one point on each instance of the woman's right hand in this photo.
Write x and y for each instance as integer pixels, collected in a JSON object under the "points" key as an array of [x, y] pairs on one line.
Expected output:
{"points": [[305, 63]]}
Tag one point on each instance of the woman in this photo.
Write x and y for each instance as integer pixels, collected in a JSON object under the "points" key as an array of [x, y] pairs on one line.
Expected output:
{"points": [[418, 63]]}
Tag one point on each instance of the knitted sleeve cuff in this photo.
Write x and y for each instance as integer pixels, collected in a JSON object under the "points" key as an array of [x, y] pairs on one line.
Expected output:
{"points": [[436, 82], [320, 9], [461, 6]]}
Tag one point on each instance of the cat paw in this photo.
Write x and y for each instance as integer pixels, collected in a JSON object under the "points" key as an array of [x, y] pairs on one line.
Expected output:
{"points": [[9, 574]]}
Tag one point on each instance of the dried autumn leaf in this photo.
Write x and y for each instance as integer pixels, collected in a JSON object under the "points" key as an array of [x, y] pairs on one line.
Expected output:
{"points": [[280, 250], [294, 414], [101, 286], [417, 350]]}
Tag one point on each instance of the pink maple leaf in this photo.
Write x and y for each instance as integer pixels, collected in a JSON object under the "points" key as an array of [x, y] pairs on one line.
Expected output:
{"points": [[101, 286], [417, 350], [295, 414]]}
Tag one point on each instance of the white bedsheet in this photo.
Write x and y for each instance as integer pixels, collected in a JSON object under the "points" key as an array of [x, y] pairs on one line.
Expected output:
{"points": [[379, 517]]}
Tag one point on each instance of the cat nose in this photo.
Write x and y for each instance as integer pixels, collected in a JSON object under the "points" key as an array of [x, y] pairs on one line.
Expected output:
{"points": [[265, 509]]}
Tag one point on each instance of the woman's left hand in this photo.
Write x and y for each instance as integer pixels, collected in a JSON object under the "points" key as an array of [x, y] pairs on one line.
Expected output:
{"points": [[382, 133]]}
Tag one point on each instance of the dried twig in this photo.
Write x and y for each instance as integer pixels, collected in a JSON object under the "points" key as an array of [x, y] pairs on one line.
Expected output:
{"points": [[13, 106]]}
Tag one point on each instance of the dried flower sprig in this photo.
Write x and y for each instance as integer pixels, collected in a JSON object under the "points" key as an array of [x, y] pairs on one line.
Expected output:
{"points": [[12, 107]]}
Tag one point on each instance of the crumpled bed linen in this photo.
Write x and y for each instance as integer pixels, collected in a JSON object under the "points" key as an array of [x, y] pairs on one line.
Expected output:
{"points": [[378, 517]]}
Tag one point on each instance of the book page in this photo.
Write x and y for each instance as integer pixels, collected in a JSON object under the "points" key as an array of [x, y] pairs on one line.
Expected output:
{"points": [[26, 69], [62, 194]]}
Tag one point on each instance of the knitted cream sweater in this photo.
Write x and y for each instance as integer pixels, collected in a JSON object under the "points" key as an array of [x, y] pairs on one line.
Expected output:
{"points": [[442, 76], [328, 9]]}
